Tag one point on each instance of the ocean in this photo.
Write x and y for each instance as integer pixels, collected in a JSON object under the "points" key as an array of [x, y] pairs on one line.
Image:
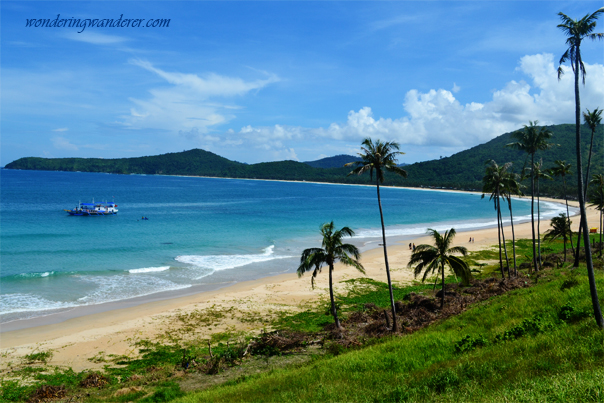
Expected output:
{"points": [[201, 233]]}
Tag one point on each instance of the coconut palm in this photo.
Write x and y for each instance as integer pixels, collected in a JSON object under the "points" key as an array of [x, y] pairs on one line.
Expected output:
{"points": [[430, 259], [560, 229], [598, 200], [576, 31], [531, 140], [562, 169], [332, 250], [493, 182], [512, 187], [539, 174], [592, 120], [379, 157]]}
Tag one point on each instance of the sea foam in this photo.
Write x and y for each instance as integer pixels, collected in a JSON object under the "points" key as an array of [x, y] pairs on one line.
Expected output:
{"points": [[226, 262]]}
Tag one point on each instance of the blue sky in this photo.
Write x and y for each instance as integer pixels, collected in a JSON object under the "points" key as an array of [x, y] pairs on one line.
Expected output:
{"points": [[266, 81]]}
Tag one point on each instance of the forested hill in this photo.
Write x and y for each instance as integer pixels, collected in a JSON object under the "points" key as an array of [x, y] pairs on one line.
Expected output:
{"points": [[463, 170]]}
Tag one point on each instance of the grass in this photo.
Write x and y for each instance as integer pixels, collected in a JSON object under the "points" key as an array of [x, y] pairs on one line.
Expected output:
{"points": [[528, 346]]}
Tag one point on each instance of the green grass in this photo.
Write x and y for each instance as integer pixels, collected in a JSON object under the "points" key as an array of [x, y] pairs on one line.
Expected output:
{"points": [[535, 344]]}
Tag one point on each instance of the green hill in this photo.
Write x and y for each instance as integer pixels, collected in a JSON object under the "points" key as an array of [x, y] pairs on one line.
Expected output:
{"points": [[463, 170]]}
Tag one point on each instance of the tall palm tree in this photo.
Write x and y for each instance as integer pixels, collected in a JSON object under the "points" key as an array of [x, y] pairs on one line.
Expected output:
{"points": [[539, 174], [512, 187], [530, 141], [562, 169], [598, 200], [576, 31], [332, 250], [560, 228], [494, 182], [592, 120], [430, 259], [379, 157]]}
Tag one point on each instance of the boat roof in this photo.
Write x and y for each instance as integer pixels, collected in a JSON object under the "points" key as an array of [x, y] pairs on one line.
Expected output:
{"points": [[95, 204]]}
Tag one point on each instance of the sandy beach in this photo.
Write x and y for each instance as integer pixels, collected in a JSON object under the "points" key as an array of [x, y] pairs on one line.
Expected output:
{"points": [[82, 342]]}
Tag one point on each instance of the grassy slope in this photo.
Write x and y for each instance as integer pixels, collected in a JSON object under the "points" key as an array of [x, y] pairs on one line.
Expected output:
{"points": [[561, 363]]}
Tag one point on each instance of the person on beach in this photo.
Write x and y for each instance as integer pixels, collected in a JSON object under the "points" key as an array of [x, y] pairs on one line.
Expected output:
{"points": [[414, 247], [409, 245]]}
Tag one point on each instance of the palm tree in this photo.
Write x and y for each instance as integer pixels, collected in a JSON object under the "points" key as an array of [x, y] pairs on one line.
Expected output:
{"points": [[530, 141], [598, 200], [380, 157], [512, 187], [493, 182], [432, 259], [539, 173], [576, 31], [560, 228], [562, 169], [332, 250], [592, 120]]}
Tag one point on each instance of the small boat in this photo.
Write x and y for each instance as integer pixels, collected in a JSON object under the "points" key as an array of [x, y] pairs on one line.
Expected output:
{"points": [[94, 209]]}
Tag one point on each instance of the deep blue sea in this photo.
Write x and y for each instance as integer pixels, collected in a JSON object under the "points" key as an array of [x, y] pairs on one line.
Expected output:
{"points": [[201, 232]]}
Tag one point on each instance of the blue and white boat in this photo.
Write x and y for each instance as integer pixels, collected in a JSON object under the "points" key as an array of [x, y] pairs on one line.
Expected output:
{"points": [[94, 209]]}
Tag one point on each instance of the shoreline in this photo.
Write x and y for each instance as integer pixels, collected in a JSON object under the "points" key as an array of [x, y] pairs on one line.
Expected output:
{"points": [[365, 244], [76, 340]]}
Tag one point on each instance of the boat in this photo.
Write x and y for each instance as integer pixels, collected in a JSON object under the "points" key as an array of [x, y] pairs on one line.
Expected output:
{"points": [[93, 209]]}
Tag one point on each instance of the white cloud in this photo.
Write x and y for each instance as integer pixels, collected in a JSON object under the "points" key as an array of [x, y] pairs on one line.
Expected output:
{"points": [[188, 102], [62, 143], [95, 38], [60, 129], [456, 88], [437, 118]]}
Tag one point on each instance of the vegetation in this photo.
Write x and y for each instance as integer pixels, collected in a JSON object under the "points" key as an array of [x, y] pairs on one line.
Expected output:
{"points": [[576, 31], [530, 141], [380, 157], [332, 250], [560, 229], [463, 170], [430, 259]]}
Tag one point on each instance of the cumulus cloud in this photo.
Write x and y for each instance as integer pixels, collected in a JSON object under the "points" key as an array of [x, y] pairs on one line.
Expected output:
{"points": [[189, 101], [437, 118]]}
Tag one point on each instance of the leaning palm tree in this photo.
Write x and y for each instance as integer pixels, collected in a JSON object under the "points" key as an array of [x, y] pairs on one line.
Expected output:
{"points": [[530, 141], [592, 120], [493, 182], [512, 187], [598, 200], [332, 250], [576, 31], [560, 229], [430, 259], [539, 174], [562, 169], [380, 157]]}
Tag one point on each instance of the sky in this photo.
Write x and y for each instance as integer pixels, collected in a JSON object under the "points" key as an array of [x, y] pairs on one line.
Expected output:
{"points": [[268, 81]]}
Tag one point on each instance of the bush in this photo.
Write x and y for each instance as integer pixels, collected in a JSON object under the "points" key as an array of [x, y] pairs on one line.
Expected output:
{"points": [[469, 343]]}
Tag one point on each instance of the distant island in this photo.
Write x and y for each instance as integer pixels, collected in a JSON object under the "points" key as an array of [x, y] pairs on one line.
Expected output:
{"points": [[463, 171]]}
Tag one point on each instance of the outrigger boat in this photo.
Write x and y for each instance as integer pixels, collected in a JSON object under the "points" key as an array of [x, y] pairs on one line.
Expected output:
{"points": [[94, 209]]}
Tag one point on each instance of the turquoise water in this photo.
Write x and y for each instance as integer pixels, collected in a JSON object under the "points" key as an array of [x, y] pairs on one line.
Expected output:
{"points": [[201, 232]]}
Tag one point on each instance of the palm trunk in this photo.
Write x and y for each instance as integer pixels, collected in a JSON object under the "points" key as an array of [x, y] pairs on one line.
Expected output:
{"points": [[568, 214], [334, 311], [533, 210], [499, 236], [538, 224], [442, 297], [578, 250], [601, 222], [394, 325], [588, 258], [513, 237], [505, 248], [564, 238]]}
